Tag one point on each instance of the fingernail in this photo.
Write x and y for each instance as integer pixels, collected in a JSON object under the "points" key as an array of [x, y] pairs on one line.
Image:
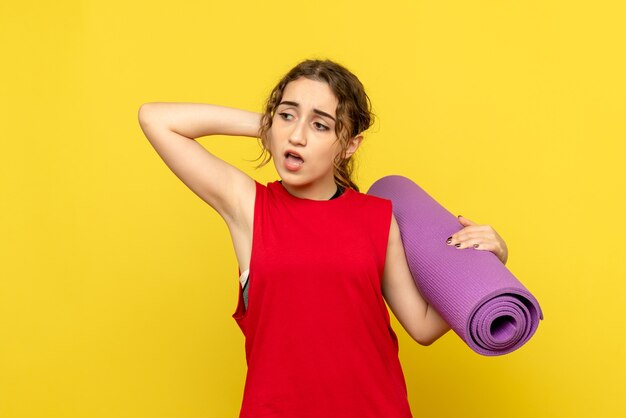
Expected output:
{"points": [[457, 245], [449, 240], [458, 216]]}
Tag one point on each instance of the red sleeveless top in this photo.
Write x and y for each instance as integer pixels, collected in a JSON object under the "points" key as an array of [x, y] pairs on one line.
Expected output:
{"points": [[319, 342]]}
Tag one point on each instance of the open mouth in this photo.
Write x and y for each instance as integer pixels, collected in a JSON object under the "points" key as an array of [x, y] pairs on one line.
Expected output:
{"points": [[295, 158], [293, 162]]}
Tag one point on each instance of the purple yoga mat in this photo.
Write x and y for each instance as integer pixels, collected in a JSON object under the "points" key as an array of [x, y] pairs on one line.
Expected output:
{"points": [[472, 290]]}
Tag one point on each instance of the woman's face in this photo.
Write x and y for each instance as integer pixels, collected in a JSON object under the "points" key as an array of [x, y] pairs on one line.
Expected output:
{"points": [[304, 123]]}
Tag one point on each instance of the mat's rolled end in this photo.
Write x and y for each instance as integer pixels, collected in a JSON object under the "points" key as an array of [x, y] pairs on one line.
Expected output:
{"points": [[472, 290], [504, 322]]}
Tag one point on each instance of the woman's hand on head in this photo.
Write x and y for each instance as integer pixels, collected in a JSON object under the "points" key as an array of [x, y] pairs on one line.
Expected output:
{"points": [[479, 237]]}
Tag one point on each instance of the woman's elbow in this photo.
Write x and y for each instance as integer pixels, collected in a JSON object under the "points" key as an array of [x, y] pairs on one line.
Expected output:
{"points": [[427, 338], [424, 340]]}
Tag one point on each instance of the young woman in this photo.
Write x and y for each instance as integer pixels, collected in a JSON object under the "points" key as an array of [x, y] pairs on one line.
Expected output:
{"points": [[319, 258]]}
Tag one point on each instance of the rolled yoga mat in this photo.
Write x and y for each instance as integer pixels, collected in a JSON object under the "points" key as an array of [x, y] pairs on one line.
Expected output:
{"points": [[472, 290]]}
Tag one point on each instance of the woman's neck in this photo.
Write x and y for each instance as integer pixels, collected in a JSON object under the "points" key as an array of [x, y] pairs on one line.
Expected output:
{"points": [[313, 196]]}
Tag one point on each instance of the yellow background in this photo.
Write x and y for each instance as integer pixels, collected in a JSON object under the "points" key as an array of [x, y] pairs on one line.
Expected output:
{"points": [[117, 283]]}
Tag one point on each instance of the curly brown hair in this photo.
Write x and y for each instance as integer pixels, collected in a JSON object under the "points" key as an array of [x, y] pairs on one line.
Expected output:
{"points": [[354, 110]]}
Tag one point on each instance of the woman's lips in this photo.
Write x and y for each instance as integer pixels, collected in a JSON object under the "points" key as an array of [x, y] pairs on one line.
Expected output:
{"points": [[293, 163]]}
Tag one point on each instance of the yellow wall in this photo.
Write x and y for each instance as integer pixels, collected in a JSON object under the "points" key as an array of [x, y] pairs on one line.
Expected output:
{"points": [[117, 283]]}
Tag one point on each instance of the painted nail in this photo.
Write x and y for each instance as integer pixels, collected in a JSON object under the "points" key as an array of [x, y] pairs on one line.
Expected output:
{"points": [[449, 240], [475, 245], [457, 245]]}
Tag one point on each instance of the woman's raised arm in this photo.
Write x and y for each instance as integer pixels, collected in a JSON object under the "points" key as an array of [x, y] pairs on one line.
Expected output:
{"points": [[172, 129]]}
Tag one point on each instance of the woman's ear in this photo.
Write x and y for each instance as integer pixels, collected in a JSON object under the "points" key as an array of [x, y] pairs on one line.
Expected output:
{"points": [[353, 145]]}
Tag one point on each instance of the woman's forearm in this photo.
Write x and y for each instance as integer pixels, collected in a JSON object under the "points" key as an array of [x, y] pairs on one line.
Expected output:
{"points": [[195, 120]]}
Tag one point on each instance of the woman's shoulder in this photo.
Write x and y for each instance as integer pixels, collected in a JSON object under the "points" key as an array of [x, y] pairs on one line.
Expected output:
{"points": [[371, 203], [371, 198], [265, 186]]}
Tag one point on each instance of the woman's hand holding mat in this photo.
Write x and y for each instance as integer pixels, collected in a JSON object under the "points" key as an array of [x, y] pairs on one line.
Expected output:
{"points": [[479, 237], [472, 290]]}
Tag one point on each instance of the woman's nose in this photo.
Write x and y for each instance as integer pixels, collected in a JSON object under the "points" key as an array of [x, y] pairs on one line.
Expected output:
{"points": [[297, 135]]}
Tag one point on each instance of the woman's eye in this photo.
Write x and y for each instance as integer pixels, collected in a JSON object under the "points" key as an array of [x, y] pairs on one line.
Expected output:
{"points": [[321, 127], [285, 116]]}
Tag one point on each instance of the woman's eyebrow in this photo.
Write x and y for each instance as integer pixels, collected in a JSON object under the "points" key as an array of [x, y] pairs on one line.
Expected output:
{"points": [[295, 104]]}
